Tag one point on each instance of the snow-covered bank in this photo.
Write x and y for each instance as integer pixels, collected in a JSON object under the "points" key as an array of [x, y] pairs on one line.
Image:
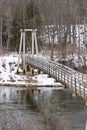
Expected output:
{"points": [[8, 67], [8, 76], [43, 79]]}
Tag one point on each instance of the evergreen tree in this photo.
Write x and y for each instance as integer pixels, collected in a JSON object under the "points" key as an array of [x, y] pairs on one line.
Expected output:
{"points": [[29, 18], [15, 31], [4, 32]]}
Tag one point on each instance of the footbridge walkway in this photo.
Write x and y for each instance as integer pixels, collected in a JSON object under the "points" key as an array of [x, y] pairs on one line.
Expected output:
{"points": [[72, 79], [76, 81]]}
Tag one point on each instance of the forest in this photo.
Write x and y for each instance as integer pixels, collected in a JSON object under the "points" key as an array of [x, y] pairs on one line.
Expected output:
{"points": [[61, 24]]}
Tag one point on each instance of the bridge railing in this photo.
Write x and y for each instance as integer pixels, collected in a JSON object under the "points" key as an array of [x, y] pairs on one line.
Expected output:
{"points": [[76, 81]]}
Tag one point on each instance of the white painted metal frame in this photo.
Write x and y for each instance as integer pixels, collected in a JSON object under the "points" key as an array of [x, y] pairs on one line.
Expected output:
{"points": [[34, 39], [76, 81], [22, 42]]}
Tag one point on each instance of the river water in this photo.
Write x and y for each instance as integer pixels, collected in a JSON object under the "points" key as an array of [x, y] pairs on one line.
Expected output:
{"points": [[49, 109]]}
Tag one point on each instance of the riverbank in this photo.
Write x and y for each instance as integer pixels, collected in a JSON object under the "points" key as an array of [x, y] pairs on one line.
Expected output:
{"points": [[9, 77]]}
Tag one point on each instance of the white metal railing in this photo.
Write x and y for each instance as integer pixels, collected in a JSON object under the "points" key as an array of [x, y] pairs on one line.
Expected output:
{"points": [[71, 78]]}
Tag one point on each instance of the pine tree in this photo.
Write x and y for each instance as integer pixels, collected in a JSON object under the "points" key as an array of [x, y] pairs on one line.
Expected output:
{"points": [[29, 18]]}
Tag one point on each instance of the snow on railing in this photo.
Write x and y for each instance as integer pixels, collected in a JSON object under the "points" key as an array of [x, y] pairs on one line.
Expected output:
{"points": [[76, 81]]}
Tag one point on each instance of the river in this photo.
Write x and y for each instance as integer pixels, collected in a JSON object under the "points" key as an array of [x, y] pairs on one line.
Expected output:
{"points": [[49, 109]]}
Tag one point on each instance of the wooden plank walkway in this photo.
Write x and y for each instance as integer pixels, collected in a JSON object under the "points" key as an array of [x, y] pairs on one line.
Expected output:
{"points": [[75, 80]]}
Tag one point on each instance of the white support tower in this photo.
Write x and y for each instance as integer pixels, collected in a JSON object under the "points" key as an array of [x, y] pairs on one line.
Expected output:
{"points": [[22, 44], [34, 42]]}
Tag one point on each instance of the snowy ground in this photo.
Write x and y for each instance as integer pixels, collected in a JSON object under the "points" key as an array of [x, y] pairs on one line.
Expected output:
{"points": [[8, 76]]}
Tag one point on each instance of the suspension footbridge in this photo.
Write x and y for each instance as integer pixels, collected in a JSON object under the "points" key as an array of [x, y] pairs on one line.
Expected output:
{"points": [[74, 80]]}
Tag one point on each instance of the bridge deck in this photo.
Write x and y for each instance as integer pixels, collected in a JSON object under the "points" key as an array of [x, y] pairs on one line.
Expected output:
{"points": [[75, 80]]}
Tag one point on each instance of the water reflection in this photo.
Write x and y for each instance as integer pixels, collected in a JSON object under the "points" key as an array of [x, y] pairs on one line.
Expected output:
{"points": [[51, 109]]}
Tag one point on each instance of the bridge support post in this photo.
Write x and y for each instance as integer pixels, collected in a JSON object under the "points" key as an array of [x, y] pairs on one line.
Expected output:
{"points": [[71, 82], [39, 71], [34, 42], [84, 93], [80, 89], [24, 65], [22, 42], [31, 70], [34, 72], [75, 87], [86, 126]]}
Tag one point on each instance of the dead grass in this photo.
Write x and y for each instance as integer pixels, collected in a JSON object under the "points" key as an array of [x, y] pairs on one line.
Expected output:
{"points": [[58, 49], [82, 69], [3, 51], [30, 80]]}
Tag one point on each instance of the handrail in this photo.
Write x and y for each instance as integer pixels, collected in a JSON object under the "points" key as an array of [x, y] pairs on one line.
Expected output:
{"points": [[71, 78]]}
